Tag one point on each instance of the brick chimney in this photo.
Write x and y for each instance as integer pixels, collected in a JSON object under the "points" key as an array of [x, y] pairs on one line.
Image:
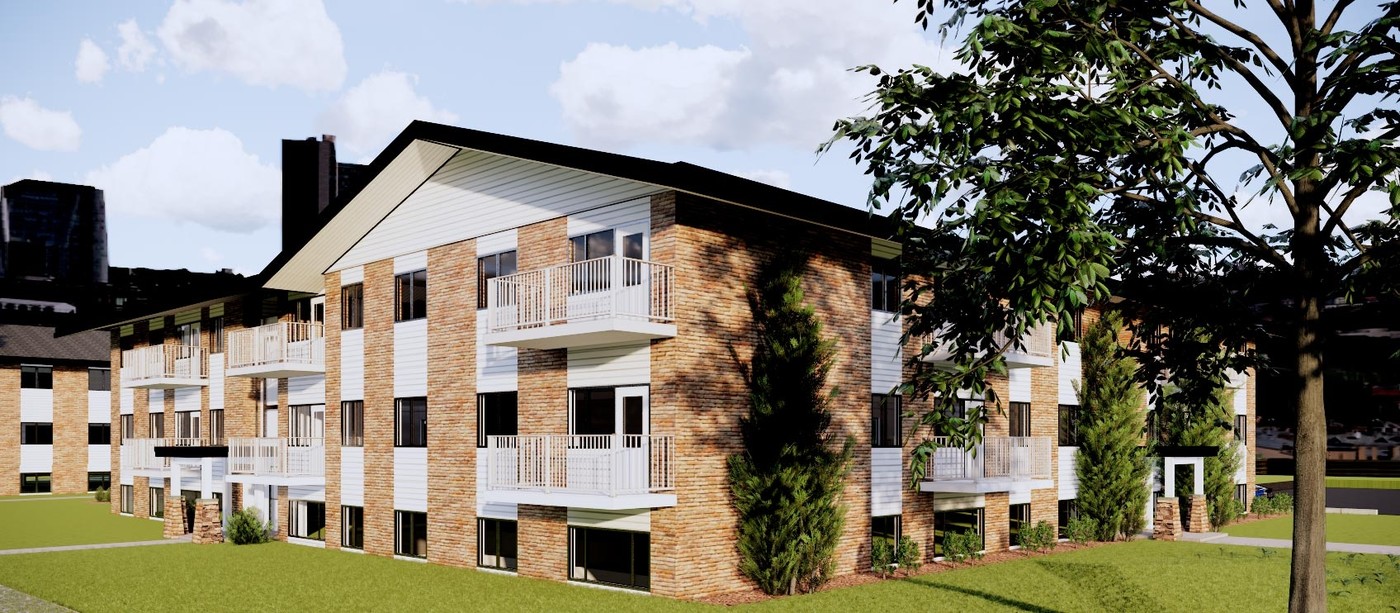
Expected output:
{"points": [[309, 183]]}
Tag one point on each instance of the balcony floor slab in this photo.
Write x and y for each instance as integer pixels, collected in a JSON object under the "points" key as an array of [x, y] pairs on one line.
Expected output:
{"points": [[985, 486], [584, 501], [165, 383], [276, 370], [605, 331], [288, 480]]}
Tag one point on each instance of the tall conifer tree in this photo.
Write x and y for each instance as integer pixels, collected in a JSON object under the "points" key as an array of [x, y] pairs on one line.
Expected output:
{"points": [[1111, 464]]}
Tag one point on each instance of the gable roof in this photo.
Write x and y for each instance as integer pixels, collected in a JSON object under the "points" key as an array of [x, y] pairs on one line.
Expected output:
{"points": [[20, 343]]}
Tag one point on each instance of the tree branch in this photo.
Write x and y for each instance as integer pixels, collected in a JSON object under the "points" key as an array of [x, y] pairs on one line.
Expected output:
{"points": [[1336, 14], [1244, 33]]}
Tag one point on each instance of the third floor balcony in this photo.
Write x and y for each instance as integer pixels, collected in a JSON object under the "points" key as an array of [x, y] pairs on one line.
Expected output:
{"points": [[165, 367], [593, 302], [999, 464], [1036, 350], [277, 350]]}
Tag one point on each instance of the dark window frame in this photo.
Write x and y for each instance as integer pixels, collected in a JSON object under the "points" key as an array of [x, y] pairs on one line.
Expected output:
{"points": [[489, 529], [100, 433], [36, 483], [216, 334], [308, 507], [35, 377], [216, 433], [1076, 330], [416, 521], [101, 479], [352, 423], [405, 432], [352, 527], [575, 532], [99, 379], [352, 306], [127, 502], [893, 534], [1066, 510], [411, 295], [1069, 425], [940, 526], [1018, 417], [155, 425], [152, 508], [493, 266], [36, 433], [488, 403], [128, 426], [886, 421], [1242, 429], [885, 282], [1018, 520]]}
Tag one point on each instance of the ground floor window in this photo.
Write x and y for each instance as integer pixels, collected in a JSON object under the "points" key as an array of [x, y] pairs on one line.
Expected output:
{"points": [[953, 522], [411, 531], [496, 543], [308, 520], [127, 499], [1242, 495], [35, 483], [885, 529], [157, 502], [1069, 509], [610, 556], [102, 480], [352, 527], [1020, 515]]}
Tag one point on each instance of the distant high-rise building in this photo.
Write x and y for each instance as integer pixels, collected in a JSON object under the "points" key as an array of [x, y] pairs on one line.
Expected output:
{"points": [[53, 232]]}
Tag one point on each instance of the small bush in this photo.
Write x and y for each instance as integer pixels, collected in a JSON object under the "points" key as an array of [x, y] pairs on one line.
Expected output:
{"points": [[102, 495], [907, 554], [1041, 537], [1273, 505], [961, 546], [882, 556], [246, 527], [1222, 512], [1081, 530]]}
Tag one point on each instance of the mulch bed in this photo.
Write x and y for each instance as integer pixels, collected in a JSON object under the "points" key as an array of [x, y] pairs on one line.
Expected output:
{"points": [[929, 568], [1253, 517]]}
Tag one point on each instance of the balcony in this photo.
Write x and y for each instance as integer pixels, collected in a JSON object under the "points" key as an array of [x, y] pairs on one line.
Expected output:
{"points": [[165, 367], [277, 461], [138, 457], [999, 464], [594, 302], [595, 471], [278, 350], [1037, 349]]}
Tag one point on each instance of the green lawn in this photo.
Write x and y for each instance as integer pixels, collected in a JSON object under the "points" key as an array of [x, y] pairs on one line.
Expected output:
{"points": [[49, 522], [1139, 576], [1365, 529], [1267, 479], [1361, 483]]}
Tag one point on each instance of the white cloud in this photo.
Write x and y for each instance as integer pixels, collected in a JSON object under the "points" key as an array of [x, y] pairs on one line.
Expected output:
{"points": [[210, 255], [202, 177], [92, 63], [37, 127], [372, 113], [776, 178], [36, 174], [136, 50], [262, 42]]}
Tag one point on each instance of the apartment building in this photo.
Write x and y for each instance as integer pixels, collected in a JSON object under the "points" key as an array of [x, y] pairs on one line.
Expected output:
{"points": [[527, 357]]}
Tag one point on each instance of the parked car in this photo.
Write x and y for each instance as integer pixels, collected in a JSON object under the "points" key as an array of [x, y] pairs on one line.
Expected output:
{"points": [[1260, 491]]}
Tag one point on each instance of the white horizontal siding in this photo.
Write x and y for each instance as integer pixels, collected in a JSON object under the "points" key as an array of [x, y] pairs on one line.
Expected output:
{"points": [[496, 367], [886, 481], [1071, 368], [99, 458], [497, 510], [955, 502], [1019, 497], [1240, 397], [352, 365], [1019, 381], [187, 399], [216, 381], [886, 356], [352, 275], [99, 407], [307, 492], [496, 243], [610, 365], [411, 358], [352, 476], [128, 400], [306, 390], [411, 262], [36, 458], [411, 479], [633, 520], [270, 392], [126, 478], [478, 193], [35, 405], [1242, 473], [632, 212], [1068, 478]]}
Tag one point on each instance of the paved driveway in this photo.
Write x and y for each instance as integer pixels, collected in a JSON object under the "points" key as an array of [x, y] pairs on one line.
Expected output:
{"points": [[1387, 502]]}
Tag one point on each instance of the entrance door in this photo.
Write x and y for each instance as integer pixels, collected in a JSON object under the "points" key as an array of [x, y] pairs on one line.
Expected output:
{"points": [[306, 423], [632, 473]]}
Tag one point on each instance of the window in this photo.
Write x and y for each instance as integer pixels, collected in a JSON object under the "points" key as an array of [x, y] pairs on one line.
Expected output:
{"points": [[216, 426], [156, 425], [496, 547], [1069, 509], [411, 422], [352, 307], [99, 379], [1076, 328], [610, 556], [99, 434], [155, 500], [187, 425], [1019, 414], [884, 421], [308, 520], [36, 433], [1242, 495], [884, 285], [128, 427], [411, 530], [1242, 429], [128, 500], [102, 480], [352, 527], [411, 294], [188, 334], [958, 410], [1020, 515], [35, 483], [306, 423], [216, 335], [1069, 425], [490, 267], [594, 411], [352, 423], [591, 246], [36, 377], [951, 522], [496, 414], [886, 529]]}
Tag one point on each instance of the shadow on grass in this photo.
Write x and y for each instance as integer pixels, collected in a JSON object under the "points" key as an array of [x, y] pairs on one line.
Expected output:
{"points": [[988, 596], [1106, 585]]}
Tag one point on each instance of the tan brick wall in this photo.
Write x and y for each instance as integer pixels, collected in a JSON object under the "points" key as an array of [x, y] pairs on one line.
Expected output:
{"points": [[541, 531], [9, 429], [542, 373], [996, 521], [115, 410], [1251, 391], [141, 497], [333, 416], [379, 408], [1045, 421], [70, 429], [452, 404]]}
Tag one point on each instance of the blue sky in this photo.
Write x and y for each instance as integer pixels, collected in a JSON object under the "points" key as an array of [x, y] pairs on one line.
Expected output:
{"points": [[177, 109]]}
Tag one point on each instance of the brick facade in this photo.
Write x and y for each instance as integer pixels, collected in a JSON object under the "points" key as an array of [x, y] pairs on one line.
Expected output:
{"points": [[9, 423], [333, 415], [379, 408], [452, 404], [541, 532]]}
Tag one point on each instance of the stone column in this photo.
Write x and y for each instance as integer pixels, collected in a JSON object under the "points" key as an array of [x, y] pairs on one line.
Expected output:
{"points": [[174, 515], [207, 525], [1197, 519], [1166, 525]]}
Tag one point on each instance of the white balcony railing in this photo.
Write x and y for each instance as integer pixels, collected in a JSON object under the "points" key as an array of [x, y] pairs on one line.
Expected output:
{"points": [[140, 454], [278, 345], [1017, 458], [277, 457], [598, 464], [601, 288], [1037, 347], [165, 366]]}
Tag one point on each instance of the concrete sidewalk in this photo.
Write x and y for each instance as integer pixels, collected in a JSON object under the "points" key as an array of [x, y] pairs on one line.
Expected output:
{"points": [[15, 601], [1220, 538], [174, 541]]}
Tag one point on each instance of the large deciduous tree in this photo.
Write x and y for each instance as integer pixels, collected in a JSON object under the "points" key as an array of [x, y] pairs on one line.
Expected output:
{"points": [[1088, 140]]}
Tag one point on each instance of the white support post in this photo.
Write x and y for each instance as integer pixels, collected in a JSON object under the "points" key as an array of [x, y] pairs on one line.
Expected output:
{"points": [[206, 478], [1199, 474], [1169, 478]]}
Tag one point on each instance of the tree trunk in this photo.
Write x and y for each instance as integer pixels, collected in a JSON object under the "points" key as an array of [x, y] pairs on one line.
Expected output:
{"points": [[1308, 581]]}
